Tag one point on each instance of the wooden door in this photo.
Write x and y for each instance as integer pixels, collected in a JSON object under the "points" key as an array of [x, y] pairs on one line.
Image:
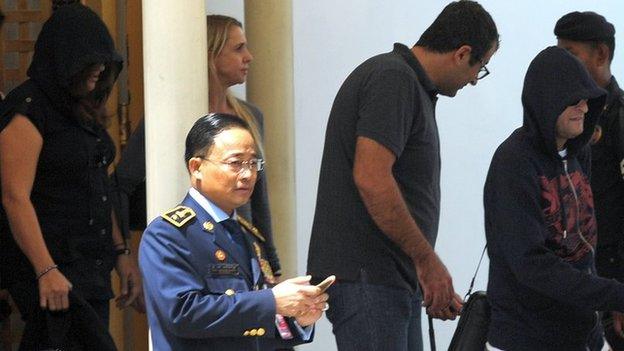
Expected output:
{"points": [[22, 24], [129, 328]]}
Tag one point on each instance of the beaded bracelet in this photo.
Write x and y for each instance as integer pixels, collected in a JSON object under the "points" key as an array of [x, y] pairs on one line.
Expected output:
{"points": [[46, 270], [123, 251]]}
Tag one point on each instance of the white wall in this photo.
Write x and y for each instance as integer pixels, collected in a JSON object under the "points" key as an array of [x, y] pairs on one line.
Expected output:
{"points": [[332, 37]]}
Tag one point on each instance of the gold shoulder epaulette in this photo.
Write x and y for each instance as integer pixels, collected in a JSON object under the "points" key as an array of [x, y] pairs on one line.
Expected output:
{"points": [[250, 228], [179, 216]]}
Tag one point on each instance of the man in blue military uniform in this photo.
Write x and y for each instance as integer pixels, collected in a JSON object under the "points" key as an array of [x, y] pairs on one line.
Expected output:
{"points": [[205, 271]]}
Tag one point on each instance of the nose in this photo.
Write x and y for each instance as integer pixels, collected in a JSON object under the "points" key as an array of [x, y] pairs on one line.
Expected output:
{"points": [[474, 81], [249, 57], [245, 173], [247, 176], [582, 105]]}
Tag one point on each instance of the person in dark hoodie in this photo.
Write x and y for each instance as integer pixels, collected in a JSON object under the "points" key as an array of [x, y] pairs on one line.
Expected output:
{"points": [[591, 38], [539, 216], [59, 240]]}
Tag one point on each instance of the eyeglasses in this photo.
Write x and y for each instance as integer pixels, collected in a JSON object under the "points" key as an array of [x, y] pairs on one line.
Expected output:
{"points": [[237, 166], [483, 71]]}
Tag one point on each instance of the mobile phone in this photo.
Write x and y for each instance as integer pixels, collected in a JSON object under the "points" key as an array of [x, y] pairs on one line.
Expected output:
{"points": [[325, 284]]}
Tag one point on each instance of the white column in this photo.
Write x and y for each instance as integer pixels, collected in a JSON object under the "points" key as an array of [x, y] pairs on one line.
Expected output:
{"points": [[176, 94], [268, 26]]}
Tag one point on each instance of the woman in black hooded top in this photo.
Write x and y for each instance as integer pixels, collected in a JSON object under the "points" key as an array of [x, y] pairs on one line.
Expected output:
{"points": [[59, 241]]}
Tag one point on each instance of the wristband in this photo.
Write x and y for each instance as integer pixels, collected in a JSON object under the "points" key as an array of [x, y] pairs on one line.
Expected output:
{"points": [[46, 270], [282, 327], [123, 251]]}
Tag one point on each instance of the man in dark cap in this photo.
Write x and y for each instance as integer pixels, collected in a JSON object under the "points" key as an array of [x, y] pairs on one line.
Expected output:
{"points": [[591, 38]]}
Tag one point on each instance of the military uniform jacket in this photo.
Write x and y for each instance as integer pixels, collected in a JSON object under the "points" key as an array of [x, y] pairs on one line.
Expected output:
{"points": [[199, 293]]}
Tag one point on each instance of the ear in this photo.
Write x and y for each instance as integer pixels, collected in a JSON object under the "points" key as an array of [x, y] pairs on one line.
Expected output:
{"points": [[602, 55], [193, 167], [462, 54]]}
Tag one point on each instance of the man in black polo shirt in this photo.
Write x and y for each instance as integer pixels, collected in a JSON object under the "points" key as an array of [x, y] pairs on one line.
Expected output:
{"points": [[591, 38], [378, 203]]}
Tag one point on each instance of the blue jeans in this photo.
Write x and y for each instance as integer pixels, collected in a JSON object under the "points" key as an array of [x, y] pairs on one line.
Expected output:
{"points": [[368, 317]]}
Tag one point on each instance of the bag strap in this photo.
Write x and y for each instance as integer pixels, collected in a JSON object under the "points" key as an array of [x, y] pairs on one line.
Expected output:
{"points": [[475, 274], [432, 343]]}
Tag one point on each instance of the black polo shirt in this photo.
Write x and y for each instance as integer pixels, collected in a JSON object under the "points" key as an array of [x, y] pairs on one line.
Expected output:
{"points": [[390, 99]]}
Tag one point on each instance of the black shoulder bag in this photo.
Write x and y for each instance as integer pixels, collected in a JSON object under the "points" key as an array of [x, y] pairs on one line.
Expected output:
{"points": [[472, 328]]}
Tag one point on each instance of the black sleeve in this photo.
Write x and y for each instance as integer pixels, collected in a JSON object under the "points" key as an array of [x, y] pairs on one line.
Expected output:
{"points": [[129, 174], [618, 136]]}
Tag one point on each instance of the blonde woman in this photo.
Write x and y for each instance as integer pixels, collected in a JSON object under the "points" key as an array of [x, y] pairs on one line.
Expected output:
{"points": [[228, 62]]}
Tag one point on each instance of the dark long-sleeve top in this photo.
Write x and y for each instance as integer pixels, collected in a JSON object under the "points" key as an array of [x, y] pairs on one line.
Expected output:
{"points": [[539, 219]]}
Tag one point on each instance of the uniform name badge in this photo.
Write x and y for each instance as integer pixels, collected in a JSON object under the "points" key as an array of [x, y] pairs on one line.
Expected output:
{"points": [[282, 327]]}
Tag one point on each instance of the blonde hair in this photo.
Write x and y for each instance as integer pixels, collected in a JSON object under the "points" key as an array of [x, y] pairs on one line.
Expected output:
{"points": [[218, 29]]}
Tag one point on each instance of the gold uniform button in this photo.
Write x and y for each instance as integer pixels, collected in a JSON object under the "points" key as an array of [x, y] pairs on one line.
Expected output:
{"points": [[253, 332], [246, 333], [230, 292], [208, 226], [261, 331], [220, 255]]}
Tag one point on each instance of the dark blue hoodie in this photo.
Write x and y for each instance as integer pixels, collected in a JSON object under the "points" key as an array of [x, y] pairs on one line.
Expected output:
{"points": [[539, 219]]}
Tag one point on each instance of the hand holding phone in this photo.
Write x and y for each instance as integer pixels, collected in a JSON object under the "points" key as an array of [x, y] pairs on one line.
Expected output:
{"points": [[325, 284]]}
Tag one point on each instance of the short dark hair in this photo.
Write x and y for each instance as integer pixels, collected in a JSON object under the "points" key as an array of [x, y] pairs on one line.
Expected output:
{"points": [[201, 137], [461, 23]]}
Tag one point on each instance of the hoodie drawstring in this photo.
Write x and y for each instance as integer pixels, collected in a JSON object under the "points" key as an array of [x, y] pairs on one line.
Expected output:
{"points": [[578, 209]]}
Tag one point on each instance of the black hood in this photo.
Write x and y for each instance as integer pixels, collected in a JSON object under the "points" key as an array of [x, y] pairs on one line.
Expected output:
{"points": [[555, 80], [72, 39]]}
